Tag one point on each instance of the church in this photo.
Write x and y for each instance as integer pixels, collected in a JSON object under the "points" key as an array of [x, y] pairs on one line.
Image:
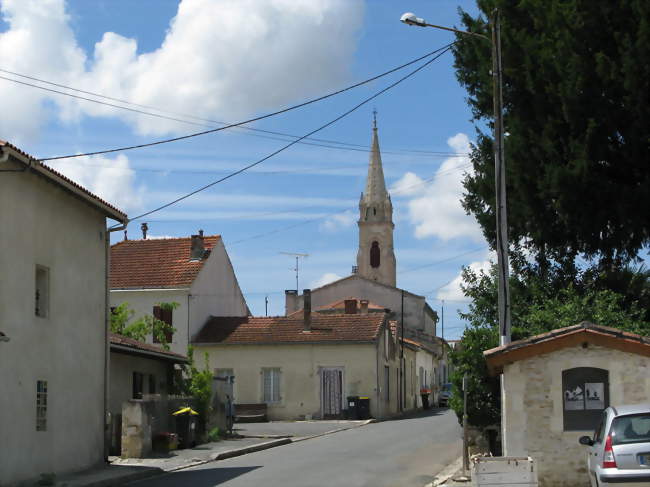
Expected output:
{"points": [[373, 278]]}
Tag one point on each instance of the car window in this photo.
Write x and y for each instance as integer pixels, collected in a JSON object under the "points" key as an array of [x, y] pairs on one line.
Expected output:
{"points": [[634, 428], [598, 434]]}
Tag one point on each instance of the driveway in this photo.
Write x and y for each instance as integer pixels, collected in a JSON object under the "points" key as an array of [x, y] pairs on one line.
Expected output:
{"points": [[398, 453]]}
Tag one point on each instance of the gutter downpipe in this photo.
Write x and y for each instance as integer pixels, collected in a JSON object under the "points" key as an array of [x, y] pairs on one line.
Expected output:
{"points": [[107, 327]]}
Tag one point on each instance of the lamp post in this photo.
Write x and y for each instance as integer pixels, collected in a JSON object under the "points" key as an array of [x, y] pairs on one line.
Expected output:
{"points": [[499, 164], [500, 183]]}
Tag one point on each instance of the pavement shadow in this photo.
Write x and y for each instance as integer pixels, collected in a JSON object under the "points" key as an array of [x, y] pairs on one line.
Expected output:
{"points": [[203, 477]]}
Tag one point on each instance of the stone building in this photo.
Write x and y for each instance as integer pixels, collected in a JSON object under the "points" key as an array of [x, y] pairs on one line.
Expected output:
{"points": [[556, 387]]}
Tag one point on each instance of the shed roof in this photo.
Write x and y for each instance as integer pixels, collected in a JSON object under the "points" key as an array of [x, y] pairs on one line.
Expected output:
{"points": [[120, 343], [250, 330], [569, 336], [156, 263], [33, 164]]}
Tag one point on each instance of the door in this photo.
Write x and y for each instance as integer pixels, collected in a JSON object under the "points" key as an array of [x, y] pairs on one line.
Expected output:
{"points": [[331, 391]]}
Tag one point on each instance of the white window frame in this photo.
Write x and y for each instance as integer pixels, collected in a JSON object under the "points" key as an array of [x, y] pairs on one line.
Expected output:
{"points": [[42, 291], [276, 385], [41, 405]]}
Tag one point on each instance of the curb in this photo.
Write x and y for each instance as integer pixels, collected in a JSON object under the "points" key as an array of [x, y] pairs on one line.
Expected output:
{"points": [[303, 438], [446, 473]]}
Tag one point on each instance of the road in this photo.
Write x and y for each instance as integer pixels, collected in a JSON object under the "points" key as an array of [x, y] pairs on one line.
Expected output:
{"points": [[397, 453]]}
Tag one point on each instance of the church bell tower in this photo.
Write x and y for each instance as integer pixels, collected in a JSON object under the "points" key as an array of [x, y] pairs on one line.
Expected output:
{"points": [[376, 258]]}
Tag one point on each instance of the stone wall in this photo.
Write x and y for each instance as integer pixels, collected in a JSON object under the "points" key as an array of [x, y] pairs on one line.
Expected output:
{"points": [[534, 408]]}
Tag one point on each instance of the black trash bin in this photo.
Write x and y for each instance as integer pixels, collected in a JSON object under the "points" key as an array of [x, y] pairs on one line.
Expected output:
{"points": [[363, 407], [353, 407], [425, 400], [186, 424]]}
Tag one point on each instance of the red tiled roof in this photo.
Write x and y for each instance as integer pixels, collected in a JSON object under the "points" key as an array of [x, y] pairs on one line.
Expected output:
{"points": [[339, 305], [138, 346], [250, 330], [55, 175], [570, 336], [156, 263]]}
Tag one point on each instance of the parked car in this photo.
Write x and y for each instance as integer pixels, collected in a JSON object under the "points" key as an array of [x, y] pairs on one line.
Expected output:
{"points": [[445, 394], [619, 452]]}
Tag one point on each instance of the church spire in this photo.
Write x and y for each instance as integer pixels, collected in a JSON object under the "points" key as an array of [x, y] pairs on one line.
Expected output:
{"points": [[376, 258], [375, 185]]}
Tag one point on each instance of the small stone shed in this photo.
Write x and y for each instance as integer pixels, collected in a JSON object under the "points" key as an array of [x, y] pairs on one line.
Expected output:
{"points": [[556, 387]]}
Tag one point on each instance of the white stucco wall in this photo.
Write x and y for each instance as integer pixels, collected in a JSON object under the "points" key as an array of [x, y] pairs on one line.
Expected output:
{"points": [[142, 303], [215, 291], [426, 361], [42, 224], [122, 368], [300, 380], [534, 410]]}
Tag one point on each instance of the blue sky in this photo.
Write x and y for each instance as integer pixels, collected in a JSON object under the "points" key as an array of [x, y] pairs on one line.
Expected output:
{"points": [[226, 60]]}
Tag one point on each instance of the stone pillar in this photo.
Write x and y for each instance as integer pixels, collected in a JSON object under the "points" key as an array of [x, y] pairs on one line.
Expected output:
{"points": [[136, 429]]}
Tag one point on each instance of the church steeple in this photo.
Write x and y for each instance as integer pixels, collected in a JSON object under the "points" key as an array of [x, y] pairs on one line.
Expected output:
{"points": [[376, 258]]}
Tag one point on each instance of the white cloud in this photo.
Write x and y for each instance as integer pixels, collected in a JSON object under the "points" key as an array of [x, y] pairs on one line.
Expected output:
{"points": [[220, 59], [338, 222], [453, 291], [111, 179], [436, 209], [325, 279], [409, 185]]}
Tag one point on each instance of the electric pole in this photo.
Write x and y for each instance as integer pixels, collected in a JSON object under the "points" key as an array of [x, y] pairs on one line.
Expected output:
{"points": [[298, 256]]}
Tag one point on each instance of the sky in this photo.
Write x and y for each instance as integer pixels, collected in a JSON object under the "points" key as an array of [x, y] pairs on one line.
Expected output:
{"points": [[201, 62]]}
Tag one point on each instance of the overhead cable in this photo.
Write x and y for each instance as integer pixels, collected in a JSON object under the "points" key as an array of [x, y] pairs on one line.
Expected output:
{"points": [[437, 53], [272, 154]]}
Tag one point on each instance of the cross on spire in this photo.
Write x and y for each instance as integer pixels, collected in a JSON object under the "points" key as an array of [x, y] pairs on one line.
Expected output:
{"points": [[374, 118]]}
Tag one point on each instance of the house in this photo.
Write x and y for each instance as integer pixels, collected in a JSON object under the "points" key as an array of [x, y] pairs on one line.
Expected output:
{"points": [[556, 387], [53, 310], [421, 370], [194, 272], [140, 371], [306, 366]]}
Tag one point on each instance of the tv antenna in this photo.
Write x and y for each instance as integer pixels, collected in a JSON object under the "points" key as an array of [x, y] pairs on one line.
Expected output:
{"points": [[298, 256]]}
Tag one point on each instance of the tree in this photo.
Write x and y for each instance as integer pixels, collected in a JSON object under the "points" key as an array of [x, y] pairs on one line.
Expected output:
{"points": [[143, 326], [576, 100], [542, 300]]}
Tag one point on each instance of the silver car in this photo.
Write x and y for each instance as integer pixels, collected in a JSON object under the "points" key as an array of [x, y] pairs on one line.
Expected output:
{"points": [[619, 453]]}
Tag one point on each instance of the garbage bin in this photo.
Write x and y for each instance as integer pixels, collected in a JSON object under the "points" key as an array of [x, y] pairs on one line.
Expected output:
{"points": [[353, 407], [363, 408], [186, 423], [424, 394]]}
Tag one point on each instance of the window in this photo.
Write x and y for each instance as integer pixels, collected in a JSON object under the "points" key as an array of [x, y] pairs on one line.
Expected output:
{"points": [[585, 393], [600, 430], [164, 315], [138, 379], [42, 291], [374, 254], [634, 428], [152, 384], [223, 373], [271, 385], [41, 405]]}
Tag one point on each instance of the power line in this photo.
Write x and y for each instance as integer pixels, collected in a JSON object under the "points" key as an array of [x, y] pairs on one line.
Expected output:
{"points": [[437, 53], [443, 261], [316, 142], [331, 122]]}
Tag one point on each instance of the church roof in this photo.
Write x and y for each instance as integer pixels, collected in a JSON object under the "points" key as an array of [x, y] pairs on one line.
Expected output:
{"points": [[375, 185], [156, 263], [251, 330]]}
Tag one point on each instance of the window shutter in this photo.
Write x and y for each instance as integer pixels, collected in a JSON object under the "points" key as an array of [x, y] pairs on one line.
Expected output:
{"points": [[157, 314], [268, 386], [166, 316]]}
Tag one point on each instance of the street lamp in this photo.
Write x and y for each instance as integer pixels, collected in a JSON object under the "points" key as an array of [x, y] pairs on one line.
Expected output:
{"points": [[410, 18], [501, 215]]}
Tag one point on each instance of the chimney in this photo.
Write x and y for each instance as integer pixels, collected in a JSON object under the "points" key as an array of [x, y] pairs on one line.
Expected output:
{"points": [[306, 297], [125, 235], [350, 306], [197, 249], [290, 301], [364, 306], [144, 227]]}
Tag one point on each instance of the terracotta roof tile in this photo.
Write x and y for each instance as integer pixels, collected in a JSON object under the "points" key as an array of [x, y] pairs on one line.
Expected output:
{"points": [[61, 176], [137, 345], [250, 330], [156, 263], [339, 306]]}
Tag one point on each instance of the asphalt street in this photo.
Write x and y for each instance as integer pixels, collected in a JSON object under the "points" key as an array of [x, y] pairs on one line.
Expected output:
{"points": [[398, 453]]}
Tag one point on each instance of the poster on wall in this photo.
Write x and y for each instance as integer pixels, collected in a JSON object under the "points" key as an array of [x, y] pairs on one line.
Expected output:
{"points": [[574, 399], [595, 395]]}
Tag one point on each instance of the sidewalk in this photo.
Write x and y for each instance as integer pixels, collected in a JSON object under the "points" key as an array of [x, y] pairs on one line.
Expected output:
{"points": [[253, 437], [452, 476]]}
